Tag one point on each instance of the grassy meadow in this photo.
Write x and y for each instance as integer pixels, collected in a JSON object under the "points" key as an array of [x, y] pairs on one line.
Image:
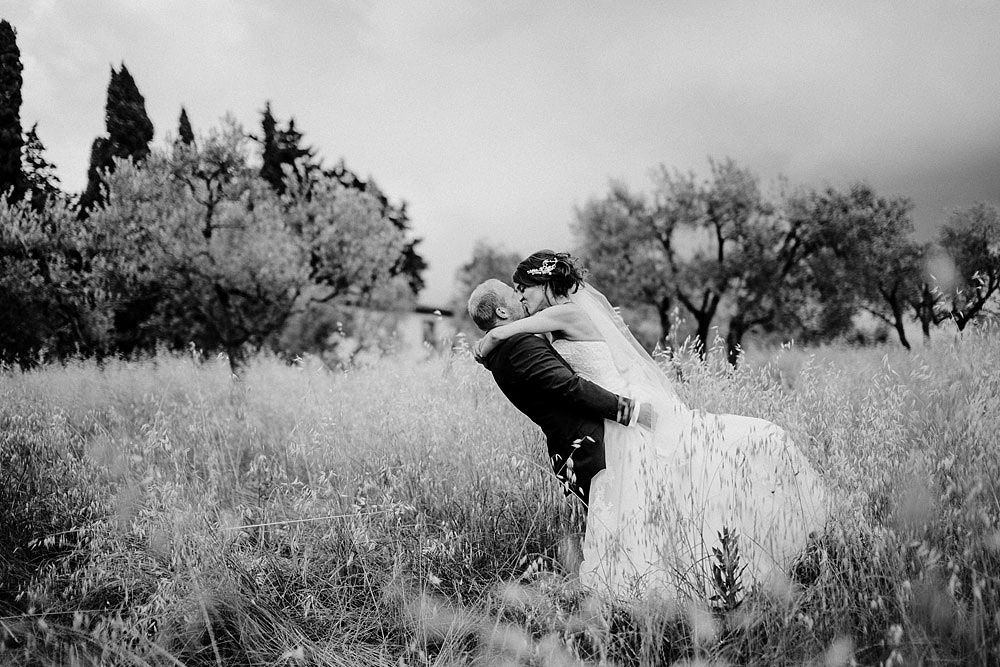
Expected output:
{"points": [[158, 513]]}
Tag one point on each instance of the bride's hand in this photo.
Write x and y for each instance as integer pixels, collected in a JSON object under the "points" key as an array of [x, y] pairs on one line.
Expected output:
{"points": [[483, 346], [647, 416]]}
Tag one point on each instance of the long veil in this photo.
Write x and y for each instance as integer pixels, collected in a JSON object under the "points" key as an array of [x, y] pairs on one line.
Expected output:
{"points": [[636, 499], [666, 497], [645, 378]]}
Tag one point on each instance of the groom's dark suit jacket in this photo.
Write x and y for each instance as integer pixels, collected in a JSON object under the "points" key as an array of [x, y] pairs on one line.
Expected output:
{"points": [[569, 409]]}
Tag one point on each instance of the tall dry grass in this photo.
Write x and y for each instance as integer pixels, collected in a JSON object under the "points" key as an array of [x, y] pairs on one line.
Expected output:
{"points": [[405, 514]]}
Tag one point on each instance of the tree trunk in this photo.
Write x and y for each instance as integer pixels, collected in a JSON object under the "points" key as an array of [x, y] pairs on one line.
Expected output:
{"points": [[237, 362], [734, 339], [237, 388], [925, 327], [925, 310], [984, 290], [663, 309], [701, 334], [961, 318], [703, 315], [897, 316]]}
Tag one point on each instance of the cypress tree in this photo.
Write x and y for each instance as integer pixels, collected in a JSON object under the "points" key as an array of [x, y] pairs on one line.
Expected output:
{"points": [[39, 174], [282, 147], [270, 170], [184, 132], [100, 158], [129, 133], [11, 140], [129, 128]]}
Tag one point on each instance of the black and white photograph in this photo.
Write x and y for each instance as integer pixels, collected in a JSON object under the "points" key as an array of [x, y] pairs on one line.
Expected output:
{"points": [[385, 333]]}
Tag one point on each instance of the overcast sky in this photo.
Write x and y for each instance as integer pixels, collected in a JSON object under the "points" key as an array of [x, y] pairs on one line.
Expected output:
{"points": [[496, 120]]}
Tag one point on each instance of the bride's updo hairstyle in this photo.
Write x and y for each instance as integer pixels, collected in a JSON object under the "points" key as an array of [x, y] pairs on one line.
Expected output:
{"points": [[558, 270]]}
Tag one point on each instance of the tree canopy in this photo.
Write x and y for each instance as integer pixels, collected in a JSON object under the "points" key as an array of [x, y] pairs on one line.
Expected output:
{"points": [[801, 264], [692, 243], [205, 252], [282, 150], [185, 134], [971, 240], [40, 175]]}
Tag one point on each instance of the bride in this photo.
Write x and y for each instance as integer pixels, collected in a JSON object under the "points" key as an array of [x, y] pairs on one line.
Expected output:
{"points": [[697, 488]]}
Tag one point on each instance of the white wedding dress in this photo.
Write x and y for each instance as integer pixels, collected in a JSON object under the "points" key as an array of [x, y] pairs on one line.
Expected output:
{"points": [[665, 496]]}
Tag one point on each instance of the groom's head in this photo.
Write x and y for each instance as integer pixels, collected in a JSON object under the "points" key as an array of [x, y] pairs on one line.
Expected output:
{"points": [[493, 303]]}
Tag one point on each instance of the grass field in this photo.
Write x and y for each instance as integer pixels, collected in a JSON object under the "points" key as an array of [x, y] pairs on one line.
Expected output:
{"points": [[404, 514]]}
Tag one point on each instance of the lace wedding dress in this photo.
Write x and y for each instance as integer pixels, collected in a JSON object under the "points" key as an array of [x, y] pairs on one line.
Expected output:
{"points": [[658, 509]]}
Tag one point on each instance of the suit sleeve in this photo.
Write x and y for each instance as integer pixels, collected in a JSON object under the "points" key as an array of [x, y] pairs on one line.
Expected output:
{"points": [[534, 361]]}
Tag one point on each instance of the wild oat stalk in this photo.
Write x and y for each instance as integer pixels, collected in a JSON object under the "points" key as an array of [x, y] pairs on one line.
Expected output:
{"points": [[407, 511]]}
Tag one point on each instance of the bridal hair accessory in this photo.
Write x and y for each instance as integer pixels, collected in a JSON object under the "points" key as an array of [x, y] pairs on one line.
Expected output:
{"points": [[546, 269]]}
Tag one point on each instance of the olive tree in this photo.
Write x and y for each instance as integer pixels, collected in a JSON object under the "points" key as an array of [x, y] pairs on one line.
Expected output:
{"points": [[971, 239], [53, 301], [206, 252], [713, 247]]}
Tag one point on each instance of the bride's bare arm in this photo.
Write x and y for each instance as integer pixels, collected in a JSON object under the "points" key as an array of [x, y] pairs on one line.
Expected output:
{"points": [[566, 319]]}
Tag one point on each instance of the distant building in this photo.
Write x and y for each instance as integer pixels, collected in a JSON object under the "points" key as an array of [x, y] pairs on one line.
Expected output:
{"points": [[424, 331]]}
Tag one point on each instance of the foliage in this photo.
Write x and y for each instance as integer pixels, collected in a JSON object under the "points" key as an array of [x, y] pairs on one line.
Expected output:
{"points": [[729, 217], [11, 140], [410, 265], [355, 245], [407, 512], [39, 174], [801, 264], [52, 297], [861, 253], [282, 151], [184, 132], [487, 261], [284, 157], [705, 246], [770, 283], [193, 248], [193, 234], [971, 240], [206, 253], [129, 133], [617, 238]]}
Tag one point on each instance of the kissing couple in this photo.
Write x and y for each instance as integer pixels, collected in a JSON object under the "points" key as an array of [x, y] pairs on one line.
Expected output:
{"points": [[665, 487]]}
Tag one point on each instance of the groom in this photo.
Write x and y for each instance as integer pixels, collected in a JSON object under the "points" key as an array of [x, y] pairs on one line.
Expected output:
{"points": [[569, 409]]}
